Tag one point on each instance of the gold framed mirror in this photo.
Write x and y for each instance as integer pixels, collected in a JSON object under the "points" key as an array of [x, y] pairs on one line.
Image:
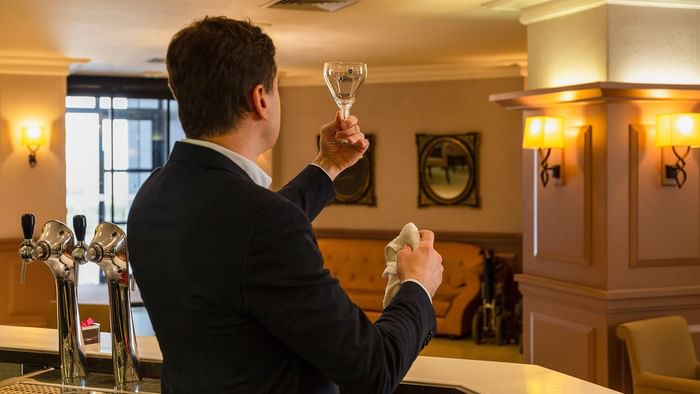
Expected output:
{"points": [[448, 169]]}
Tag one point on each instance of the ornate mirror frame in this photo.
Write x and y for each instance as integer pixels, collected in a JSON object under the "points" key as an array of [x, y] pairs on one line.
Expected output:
{"points": [[468, 145]]}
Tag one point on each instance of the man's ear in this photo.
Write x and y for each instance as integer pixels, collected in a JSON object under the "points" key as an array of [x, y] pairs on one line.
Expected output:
{"points": [[261, 108]]}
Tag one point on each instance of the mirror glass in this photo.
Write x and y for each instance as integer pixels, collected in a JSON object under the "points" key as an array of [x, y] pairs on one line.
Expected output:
{"points": [[448, 169]]}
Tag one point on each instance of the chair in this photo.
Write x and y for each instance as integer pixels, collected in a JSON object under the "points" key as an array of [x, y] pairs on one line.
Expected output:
{"points": [[437, 158], [662, 356]]}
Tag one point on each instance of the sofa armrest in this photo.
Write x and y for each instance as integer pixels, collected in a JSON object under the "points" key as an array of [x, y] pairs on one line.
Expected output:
{"points": [[668, 384], [454, 317]]}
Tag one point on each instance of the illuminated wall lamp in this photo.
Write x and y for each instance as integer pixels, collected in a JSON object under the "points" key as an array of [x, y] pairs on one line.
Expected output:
{"points": [[545, 133], [677, 130], [33, 138]]}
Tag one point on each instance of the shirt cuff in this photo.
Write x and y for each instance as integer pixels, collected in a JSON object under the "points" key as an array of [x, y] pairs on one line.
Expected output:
{"points": [[422, 287], [322, 169]]}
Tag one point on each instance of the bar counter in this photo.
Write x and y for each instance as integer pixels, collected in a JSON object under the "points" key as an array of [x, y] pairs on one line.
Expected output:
{"points": [[38, 346]]}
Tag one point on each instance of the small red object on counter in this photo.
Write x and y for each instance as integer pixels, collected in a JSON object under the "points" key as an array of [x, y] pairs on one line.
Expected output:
{"points": [[87, 322]]}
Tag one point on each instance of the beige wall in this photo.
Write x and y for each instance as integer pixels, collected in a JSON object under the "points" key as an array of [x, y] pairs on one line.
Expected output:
{"points": [[31, 100], [24, 101], [395, 112]]}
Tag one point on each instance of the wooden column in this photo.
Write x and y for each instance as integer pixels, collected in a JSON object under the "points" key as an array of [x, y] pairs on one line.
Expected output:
{"points": [[609, 244]]}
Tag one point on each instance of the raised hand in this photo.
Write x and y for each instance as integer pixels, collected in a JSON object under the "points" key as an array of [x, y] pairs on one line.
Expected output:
{"points": [[342, 144]]}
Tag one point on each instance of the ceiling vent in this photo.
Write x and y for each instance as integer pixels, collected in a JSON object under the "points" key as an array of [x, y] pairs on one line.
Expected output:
{"points": [[310, 5]]}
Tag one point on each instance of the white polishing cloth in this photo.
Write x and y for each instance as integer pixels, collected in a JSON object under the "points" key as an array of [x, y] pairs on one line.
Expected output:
{"points": [[409, 236]]}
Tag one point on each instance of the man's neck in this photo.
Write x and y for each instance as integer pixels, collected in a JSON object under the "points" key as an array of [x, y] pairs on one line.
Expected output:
{"points": [[241, 140]]}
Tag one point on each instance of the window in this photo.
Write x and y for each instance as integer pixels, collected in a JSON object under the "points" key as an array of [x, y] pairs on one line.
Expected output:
{"points": [[115, 137]]}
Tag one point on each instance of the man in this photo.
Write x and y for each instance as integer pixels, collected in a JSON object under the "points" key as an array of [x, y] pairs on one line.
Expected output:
{"points": [[229, 271]]}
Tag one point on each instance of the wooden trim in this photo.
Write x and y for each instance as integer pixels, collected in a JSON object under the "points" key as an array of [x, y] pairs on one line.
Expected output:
{"points": [[585, 258], [595, 92], [89, 85], [621, 294], [633, 196], [506, 245], [634, 260], [609, 301]]}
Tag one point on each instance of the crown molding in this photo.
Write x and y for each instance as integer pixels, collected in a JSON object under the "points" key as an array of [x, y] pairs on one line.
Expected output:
{"points": [[556, 8], [511, 5], [38, 65], [533, 11], [424, 73]]}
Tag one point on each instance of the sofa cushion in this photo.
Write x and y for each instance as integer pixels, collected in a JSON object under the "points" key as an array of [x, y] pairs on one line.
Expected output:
{"points": [[443, 299], [357, 264], [461, 261]]}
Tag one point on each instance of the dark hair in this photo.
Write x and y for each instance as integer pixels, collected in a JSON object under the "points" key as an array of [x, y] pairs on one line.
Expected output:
{"points": [[213, 66]]}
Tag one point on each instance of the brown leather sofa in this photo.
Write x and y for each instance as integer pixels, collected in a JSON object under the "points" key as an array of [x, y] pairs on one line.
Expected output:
{"points": [[358, 265]]}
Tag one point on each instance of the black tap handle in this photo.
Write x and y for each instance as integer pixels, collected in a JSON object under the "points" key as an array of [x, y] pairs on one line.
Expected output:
{"points": [[28, 225], [79, 225]]}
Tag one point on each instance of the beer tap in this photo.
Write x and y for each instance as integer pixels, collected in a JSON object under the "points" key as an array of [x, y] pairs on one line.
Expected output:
{"points": [[79, 226], [54, 247], [27, 246], [108, 251]]}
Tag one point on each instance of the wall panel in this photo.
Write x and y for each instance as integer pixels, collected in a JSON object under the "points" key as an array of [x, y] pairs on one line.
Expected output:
{"points": [[23, 305]]}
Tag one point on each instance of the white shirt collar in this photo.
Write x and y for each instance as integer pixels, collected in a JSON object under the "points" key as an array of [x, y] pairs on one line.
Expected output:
{"points": [[253, 170]]}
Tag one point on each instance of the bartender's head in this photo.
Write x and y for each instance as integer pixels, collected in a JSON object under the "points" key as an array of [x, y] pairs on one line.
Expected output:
{"points": [[223, 73]]}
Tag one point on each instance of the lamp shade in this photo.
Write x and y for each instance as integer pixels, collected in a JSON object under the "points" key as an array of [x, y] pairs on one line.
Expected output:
{"points": [[33, 136], [678, 129], [543, 132]]}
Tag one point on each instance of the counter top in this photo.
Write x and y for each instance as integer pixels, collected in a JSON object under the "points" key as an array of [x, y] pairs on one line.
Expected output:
{"points": [[485, 377], [492, 377], [39, 346]]}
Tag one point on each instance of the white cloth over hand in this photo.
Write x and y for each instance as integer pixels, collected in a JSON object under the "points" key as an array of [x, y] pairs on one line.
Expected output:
{"points": [[409, 236]]}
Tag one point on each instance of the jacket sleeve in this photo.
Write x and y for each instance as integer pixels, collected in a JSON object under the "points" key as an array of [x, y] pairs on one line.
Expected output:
{"points": [[311, 190], [290, 293]]}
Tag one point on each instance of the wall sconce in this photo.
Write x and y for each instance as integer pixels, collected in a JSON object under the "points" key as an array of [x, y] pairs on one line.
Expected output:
{"points": [[545, 132], [33, 138], [677, 130]]}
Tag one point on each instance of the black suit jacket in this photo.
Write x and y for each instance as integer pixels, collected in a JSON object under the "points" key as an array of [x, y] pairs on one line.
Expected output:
{"points": [[234, 284]]}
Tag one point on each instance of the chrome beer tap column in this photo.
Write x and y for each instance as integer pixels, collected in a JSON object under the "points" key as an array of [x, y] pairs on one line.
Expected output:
{"points": [[54, 247], [108, 250]]}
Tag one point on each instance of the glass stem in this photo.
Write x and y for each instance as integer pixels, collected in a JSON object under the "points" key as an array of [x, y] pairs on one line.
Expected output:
{"points": [[344, 111]]}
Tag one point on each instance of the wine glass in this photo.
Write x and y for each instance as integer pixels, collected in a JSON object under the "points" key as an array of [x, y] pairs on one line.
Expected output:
{"points": [[343, 80]]}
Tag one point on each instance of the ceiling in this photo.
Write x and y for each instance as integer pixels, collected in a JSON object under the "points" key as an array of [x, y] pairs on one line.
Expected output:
{"points": [[120, 37]]}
